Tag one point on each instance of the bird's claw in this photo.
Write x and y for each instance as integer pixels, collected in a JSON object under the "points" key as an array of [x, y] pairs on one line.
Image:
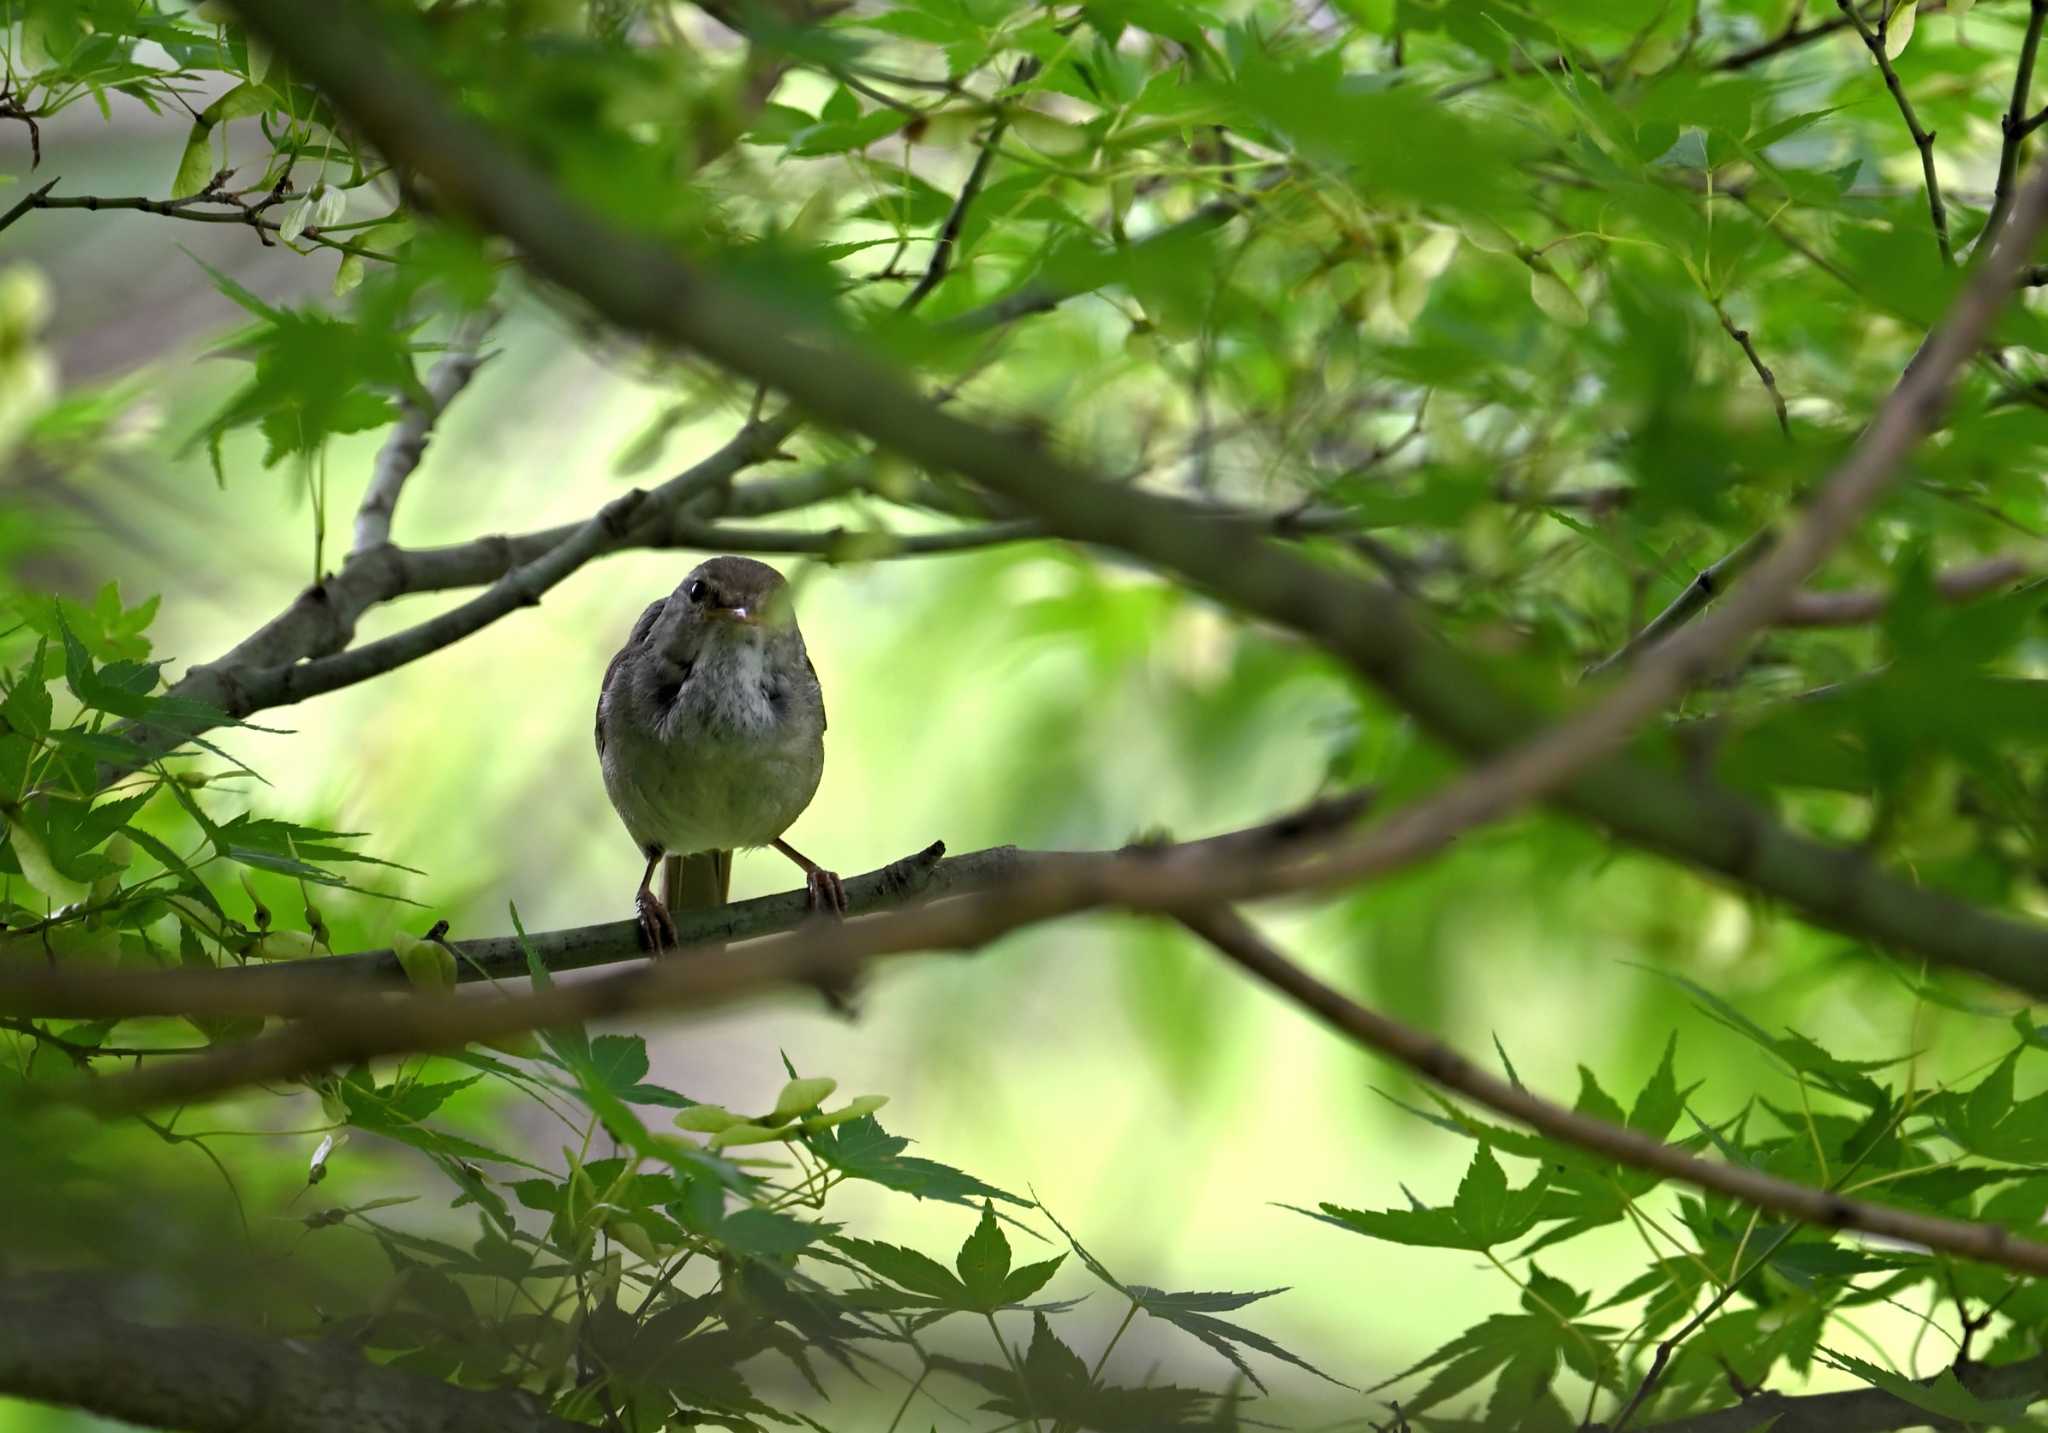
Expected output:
{"points": [[825, 893], [657, 929]]}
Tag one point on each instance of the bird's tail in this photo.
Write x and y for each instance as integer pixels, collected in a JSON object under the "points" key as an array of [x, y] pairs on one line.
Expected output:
{"points": [[696, 883]]}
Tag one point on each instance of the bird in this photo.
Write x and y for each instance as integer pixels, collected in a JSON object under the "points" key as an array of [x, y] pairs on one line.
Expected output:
{"points": [[711, 737]]}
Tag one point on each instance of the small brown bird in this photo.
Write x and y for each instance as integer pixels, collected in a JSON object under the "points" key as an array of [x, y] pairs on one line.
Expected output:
{"points": [[711, 735]]}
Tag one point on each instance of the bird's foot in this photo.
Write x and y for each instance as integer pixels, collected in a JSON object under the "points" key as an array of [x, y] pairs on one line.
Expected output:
{"points": [[657, 930], [824, 892]]}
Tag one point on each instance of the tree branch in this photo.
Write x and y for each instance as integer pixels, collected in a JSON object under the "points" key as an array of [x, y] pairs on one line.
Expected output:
{"points": [[320, 621], [1438, 1063], [345, 1012], [407, 444], [85, 1355], [1790, 39], [299, 989], [1852, 608]]}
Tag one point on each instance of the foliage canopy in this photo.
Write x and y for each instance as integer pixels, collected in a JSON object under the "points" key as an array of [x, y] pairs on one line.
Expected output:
{"points": [[1429, 367]]}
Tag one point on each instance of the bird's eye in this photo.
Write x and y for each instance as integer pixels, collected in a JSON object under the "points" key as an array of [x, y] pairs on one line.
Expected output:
{"points": [[695, 591]]}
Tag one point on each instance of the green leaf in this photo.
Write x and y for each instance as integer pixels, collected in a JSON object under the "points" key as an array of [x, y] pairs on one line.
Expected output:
{"points": [[800, 1097], [906, 1268], [861, 1149], [1027, 1280], [1055, 1389], [1943, 1395], [196, 162], [618, 1062], [1899, 31], [1555, 297], [984, 1261], [1660, 1102], [1193, 1313]]}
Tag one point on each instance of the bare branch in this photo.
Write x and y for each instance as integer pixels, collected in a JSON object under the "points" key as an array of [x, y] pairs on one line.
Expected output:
{"points": [[258, 672], [346, 1016], [521, 587], [1851, 608], [402, 451], [229, 210], [84, 1354], [1756, 363], [1438, 1063]]}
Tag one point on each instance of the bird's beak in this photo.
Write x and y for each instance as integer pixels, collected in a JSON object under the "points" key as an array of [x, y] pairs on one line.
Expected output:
{"points": [[734, 614]]}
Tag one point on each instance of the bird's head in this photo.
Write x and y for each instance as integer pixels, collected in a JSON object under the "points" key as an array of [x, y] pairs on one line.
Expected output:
{"points": [[726, 599]]}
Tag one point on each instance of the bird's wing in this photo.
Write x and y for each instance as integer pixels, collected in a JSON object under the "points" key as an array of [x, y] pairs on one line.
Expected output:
{"points": [[641, 629], [823, 723]]}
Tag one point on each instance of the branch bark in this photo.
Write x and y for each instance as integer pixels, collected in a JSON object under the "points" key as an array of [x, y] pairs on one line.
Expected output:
{"points": [[1851, 608], [407, 444], [1029, 881], [216, 1380], [320, 622]]}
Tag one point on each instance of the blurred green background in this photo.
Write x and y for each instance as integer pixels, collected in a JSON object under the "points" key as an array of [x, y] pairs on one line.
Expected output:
{"points": [[1157, 1102]]}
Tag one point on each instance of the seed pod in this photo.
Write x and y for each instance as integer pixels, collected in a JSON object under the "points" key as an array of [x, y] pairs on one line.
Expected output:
{"points": [[800, 1097], [707, 1119], [852, 1110], [427, 963], [262, 912]]}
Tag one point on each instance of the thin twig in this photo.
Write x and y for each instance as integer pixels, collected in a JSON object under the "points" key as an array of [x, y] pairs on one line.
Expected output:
{"points": [[941, 260], [1874, 41], [251, 216], [1438, 1063], [2015, 126], [1756, 362], [27, 202], [1854, 607]]}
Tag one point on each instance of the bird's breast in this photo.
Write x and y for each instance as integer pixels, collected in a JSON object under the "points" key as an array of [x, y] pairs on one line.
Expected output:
{"points": [[727, 758]]}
